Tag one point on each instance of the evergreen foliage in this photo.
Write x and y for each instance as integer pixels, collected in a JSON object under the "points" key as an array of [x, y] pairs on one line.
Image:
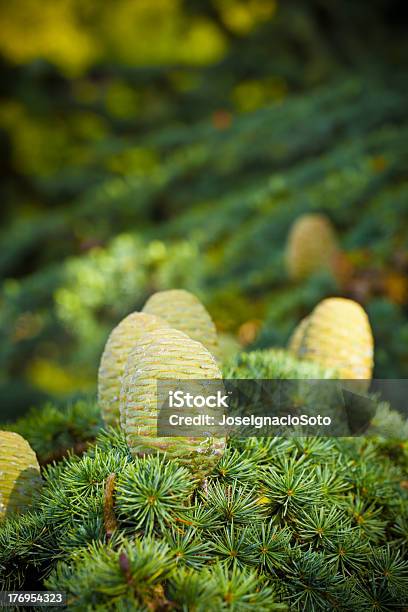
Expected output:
{"points": [[305, 523], [52, 431]]}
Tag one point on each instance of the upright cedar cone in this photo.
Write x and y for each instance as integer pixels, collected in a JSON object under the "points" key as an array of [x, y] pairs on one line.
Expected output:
{"points": [[184, 311], [117, 348], [311, 246], [296, 338], [20, 474], [164, 354], [338, 336]]}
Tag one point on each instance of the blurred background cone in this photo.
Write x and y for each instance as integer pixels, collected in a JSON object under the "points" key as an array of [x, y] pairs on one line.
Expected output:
{"points": [[311, 246], [338, 335]]}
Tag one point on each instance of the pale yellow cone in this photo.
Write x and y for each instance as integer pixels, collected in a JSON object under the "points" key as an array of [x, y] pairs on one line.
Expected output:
{"points": [[115, 354], [338, 336], [311, 246], [164, 354], [296, 338], [20, 474], [184, 311]]}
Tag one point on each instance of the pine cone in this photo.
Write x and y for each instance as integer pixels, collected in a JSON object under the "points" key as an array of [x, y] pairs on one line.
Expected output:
{"points": [[311, 246], [117, 348], [184, 311], [19, 473], [164, 354], [338, 336], [296, 338]]}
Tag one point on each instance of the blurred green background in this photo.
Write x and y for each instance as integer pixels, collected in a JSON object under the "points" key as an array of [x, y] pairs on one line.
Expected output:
{"points": [[154, 144]]}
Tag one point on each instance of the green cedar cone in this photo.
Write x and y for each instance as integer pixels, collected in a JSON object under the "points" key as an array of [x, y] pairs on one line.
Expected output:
{"points": [[338, 336], [184, 311], [164, 354], [117, 348]]}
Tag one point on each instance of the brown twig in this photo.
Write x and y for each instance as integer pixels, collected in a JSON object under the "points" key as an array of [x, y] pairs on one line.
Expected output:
{"points": [[109, 517], [124, 564]]}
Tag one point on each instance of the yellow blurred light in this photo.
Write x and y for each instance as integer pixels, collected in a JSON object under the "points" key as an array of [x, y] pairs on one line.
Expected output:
{"points": [[75, 35], [242, 17], [157, 32], [51, 30], [52, 378], [203, 43], [156, 251]]}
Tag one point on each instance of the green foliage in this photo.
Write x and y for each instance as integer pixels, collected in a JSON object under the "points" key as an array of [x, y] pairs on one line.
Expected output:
{"points": [[298, 515], [26, 543], [151, 493], [273, 364], [320, 525], [313, 585], [269, 544], [291, 488], [219, 589], [231, 547], [52, 431], [347, 551], [232, 504], [123, 576], [187, 547], [312, 523], [235, 467]]}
